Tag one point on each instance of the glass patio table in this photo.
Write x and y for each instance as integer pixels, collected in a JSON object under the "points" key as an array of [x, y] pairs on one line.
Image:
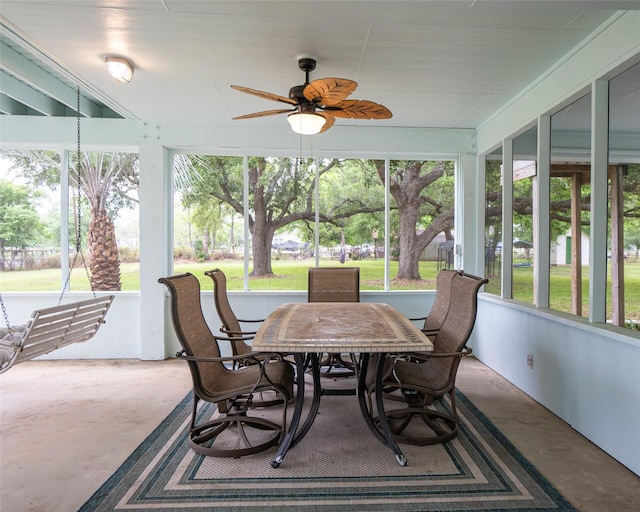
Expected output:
{"points": [[309, 329]]}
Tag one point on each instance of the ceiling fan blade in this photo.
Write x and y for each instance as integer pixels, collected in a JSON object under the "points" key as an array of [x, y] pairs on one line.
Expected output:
{"points": [[330, 121], [265, 95], [329, 91], [265, 113], [359, 109]]}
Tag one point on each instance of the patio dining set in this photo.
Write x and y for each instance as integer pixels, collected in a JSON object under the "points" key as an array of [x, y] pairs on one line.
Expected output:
{"points": [[404, 368]]}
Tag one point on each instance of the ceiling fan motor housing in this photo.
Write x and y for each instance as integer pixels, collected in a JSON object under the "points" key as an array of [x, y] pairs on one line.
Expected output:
{"points": [[306, 64], [295, 93]]}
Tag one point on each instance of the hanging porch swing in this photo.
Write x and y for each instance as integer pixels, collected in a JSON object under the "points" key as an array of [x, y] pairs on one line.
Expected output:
{"points": [[51, 328]]}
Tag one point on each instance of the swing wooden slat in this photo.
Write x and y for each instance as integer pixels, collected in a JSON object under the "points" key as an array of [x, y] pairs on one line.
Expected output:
{"points": [[54, 327]]}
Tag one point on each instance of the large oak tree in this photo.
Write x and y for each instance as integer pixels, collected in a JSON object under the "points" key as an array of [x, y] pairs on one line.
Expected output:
{"points": [[425, 207], [281, 193]]}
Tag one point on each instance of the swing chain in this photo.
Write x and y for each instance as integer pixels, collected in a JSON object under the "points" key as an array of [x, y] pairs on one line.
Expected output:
{"points": [[78, 214], [78, 191], [4, 313]]}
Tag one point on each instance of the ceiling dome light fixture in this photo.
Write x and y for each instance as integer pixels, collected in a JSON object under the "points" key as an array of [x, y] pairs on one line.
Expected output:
{"points": [[306, 123], [119, 68]]}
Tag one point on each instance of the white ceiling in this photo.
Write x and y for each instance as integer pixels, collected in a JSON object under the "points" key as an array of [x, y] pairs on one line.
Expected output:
{"points": [[432, 63]]}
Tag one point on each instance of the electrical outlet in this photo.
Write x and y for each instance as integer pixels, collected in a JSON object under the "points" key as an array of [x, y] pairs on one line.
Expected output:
{"points": [[530, 360]]}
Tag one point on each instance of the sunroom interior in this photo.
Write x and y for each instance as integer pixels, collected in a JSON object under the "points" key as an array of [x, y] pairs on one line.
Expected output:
{"points": [[472, 82]]}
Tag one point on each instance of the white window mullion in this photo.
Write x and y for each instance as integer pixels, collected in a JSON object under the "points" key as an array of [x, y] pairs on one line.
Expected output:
{"points": [[245, 205], [387, 203], [64, 217], [599, 215], [316, 222], [541, 215], [507, 219]]}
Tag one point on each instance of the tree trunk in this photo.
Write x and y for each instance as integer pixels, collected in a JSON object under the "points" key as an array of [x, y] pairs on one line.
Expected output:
{"points": [[104, 261], [261, 239], [408, 259], [406, 186], [205, 241], [232, 241]]}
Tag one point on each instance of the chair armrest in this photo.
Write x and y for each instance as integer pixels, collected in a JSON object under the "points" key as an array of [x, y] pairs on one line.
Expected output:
{"points": [[244, 334], [264, 357], [250, 321], [425, 356], [260, 358], [418, 318], [430, 332]]}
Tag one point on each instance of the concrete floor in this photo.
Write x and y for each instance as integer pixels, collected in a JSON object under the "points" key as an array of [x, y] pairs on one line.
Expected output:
{"points": [[66, 426]]}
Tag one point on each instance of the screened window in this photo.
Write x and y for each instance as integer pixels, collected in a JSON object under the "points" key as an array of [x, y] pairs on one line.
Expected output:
{"points": [[569, 202], [493, 222], [623, 306], [300, 212], [524, 172], [102, 221]]}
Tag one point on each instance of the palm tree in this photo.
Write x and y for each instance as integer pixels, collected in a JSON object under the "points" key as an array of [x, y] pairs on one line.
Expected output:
{"points": [[98, 174]]}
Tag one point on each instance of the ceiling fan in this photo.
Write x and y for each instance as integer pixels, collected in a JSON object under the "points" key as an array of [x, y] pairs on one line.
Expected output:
{"points": [[315, 105]]}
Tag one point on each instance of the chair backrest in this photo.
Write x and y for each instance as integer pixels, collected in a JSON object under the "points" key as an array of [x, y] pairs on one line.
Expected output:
{"points": [[225, 312], [440, 308], [192, 330], [461, 317], [334, 284]]}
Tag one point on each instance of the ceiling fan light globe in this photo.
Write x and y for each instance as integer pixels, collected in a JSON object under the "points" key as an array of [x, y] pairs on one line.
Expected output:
{"points": [[306, 123]]}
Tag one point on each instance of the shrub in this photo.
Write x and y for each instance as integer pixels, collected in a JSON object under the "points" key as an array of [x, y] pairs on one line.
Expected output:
{"points": [[182, 253], [225, 255], [129, 255]]}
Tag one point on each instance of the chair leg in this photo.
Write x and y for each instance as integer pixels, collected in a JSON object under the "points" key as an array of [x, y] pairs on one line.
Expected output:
{"points": [[199, 436], [443, 425], [203, 436]]}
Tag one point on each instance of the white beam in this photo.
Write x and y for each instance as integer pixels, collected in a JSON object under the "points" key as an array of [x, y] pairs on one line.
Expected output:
{"points": [[36, 77], [43, 132], [27, 95], [154, 192]]}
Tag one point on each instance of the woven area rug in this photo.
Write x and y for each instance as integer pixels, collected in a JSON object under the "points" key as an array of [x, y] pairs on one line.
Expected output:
{"points": [[338, 466]]}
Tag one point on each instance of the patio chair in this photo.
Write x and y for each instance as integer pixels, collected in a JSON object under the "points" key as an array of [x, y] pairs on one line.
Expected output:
{"points": [[334, 284], [230, 323], [433, 320], [441, 303], [231, 389], [425, 380]]}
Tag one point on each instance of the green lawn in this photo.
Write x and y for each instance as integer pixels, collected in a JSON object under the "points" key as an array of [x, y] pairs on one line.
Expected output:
{"points": [[289, 275], [292, 275], [560, 289]]}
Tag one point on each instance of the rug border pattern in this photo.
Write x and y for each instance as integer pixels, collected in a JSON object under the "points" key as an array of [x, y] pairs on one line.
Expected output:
{"points": [[149, 493]]}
